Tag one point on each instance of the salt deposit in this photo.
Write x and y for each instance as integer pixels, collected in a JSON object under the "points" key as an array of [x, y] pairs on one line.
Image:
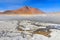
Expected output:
{"points": [[9, 31]]}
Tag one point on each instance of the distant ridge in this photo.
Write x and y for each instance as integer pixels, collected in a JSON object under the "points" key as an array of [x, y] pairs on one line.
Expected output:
{"points": [[24, 10]]}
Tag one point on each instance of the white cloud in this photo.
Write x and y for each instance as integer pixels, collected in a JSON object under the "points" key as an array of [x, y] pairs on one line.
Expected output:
{"points": [[13, 7], [13, 1], [1, 10], [12, 4]]}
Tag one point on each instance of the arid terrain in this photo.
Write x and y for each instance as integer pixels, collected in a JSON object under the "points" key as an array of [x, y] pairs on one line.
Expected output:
{"points": [[29, 13], [28, 30], [23, 11], [29, 23]]}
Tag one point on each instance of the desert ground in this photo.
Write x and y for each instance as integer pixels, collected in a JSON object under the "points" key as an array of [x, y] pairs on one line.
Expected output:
{"points": [[41, 27], [28, 30], [48, 18]]}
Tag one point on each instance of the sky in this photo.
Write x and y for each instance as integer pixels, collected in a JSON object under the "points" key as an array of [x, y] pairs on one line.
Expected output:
{"points": [[44, 5]]}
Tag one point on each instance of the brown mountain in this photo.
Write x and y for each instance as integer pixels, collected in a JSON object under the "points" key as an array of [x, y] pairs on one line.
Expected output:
{"points": [[24, 10]]}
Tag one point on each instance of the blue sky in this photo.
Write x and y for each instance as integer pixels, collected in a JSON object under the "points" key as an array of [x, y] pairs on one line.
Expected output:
{"points": [[44, 5]]}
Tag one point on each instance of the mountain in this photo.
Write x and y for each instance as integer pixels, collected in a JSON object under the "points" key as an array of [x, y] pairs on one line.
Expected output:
{"points": [[1, 12], [24, 10]]}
